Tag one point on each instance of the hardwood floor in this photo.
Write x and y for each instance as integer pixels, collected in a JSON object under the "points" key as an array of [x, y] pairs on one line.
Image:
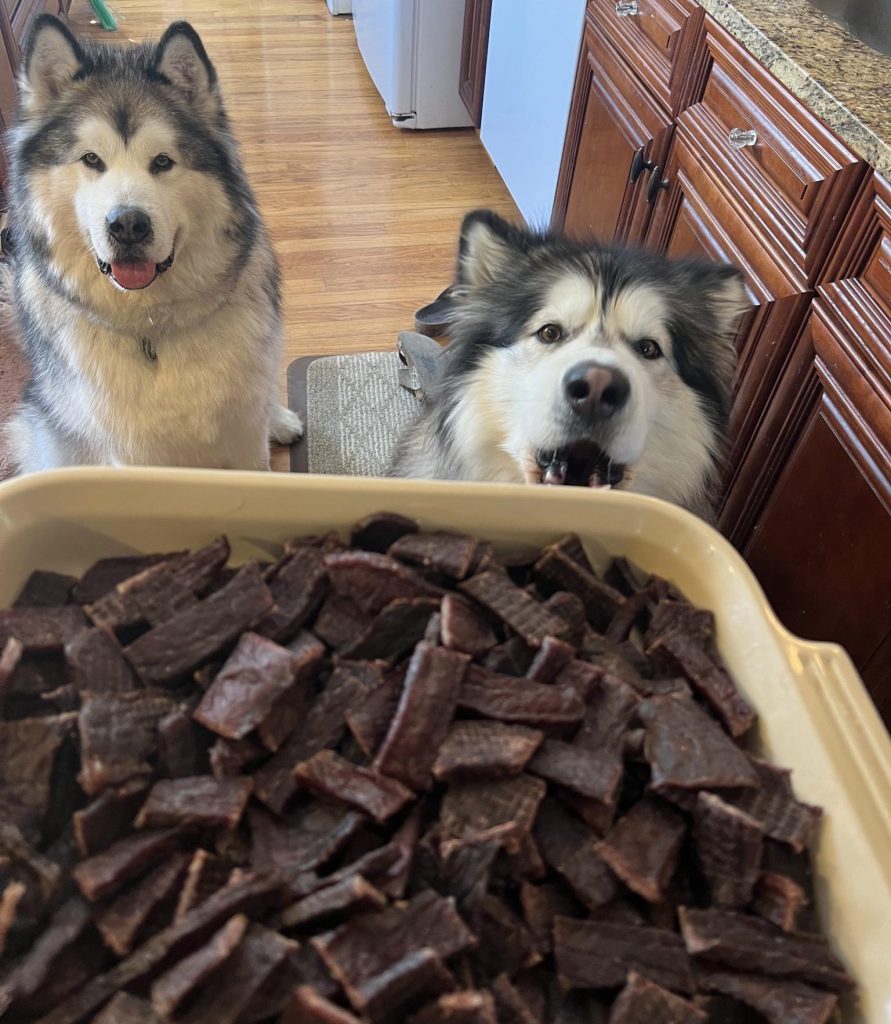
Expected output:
{"points": [[364, 215]]}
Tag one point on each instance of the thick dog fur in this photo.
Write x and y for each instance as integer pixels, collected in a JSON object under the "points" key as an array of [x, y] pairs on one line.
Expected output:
{"points": [[183, 372], [502, 400]]}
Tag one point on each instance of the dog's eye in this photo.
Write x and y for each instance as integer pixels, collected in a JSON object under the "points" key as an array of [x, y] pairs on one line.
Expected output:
{"points": [[551, 333], [93, 162], [162, 162], [648, 348]]}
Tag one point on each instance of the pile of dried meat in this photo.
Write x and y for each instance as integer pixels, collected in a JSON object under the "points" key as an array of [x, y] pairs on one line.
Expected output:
{"points": [[400, 779]]}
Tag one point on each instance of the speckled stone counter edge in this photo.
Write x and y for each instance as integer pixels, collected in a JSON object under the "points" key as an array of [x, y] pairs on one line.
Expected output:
{"points": [[863, 139]]}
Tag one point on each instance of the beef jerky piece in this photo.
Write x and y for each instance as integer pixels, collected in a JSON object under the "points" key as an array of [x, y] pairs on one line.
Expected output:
{"points": [[511, 1007], [372, 581], [433, 632], [29, 748], [503, 809], [231, 757], [612, 705], [541, 904], [178, 755], [298, 587], [741, 942], [394, 631], [40, 630], [146, 599], [205, 875], [102, 874], [108, 818], [250, 895], [551, 658], [426, 706], [142, 905], [451, 554], [366, 946], [380, 531], [44, 589], [107, 573], [342, 899], [580, 676], [465, 1007], [525, 616], [174, 649], [402, 987], [35, 969], [201, 569], [96, 663], [308, 654], [10, 657], [773, 805], [642, 1002], [307, 1006], [779, 899], [600, 954], [728, 849], [10, 898], [485, 750], [621, 575], [322, 727], [627, 616], [393, 879], [681, 653], [461, 871], [642, 848], [510, 699], [511, 658], [463, 628], [505, 944], [254, 960], [256, 674], [119, 736], [197, 800], [568, 846], [687, 749], [16, 848], [778, 1002], [616, 661], [368, 791], [307, 839], [558, 570], [370, 718], [679, 617], [571, 609], [175, 986], [339, 621], [591, 773], [126, 1009]]}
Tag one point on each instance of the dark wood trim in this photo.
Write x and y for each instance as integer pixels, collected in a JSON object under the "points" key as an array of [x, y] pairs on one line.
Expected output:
{"points": [[474, 50]]}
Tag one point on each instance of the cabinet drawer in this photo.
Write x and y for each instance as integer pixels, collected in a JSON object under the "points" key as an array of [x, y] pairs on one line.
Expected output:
{"points": [[794, 179], [656, 38]]}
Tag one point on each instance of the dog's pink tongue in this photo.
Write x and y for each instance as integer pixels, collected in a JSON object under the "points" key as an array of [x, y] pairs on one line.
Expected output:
{"points": [[133, 275]]}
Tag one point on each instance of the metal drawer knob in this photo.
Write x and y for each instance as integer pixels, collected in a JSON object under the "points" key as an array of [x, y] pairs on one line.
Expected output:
{"points": [[656, 183], [639, 164], [627, 8], [739, 138]]}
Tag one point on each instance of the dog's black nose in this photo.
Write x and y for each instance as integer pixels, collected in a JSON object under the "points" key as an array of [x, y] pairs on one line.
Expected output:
{"points": [[129, 225], [595, 391]]}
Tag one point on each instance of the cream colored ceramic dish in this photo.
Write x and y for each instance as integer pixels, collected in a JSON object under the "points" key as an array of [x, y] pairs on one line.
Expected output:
{"points": [[815, 716]]}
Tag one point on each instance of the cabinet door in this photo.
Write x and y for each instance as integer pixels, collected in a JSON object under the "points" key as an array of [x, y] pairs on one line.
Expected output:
{"points": [[615, 130], [822, 545], [477, 14]]}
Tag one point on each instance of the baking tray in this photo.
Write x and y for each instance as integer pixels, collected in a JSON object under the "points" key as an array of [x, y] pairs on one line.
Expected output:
{"points": [[815, 715]]}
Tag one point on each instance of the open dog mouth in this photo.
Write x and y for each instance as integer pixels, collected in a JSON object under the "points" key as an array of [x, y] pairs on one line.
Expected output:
{"points": [[134, 275], [580, 464]]}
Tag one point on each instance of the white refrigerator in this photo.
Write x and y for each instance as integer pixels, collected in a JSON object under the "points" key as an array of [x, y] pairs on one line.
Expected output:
{"points": [[412, 49]]}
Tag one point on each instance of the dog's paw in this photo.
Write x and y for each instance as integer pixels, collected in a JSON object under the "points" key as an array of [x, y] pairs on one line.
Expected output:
{"points": [[286, 426]]}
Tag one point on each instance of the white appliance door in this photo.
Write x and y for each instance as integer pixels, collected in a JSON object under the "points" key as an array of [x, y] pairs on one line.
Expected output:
{"points": [[533, 49], [385, 31], [439, 33]]}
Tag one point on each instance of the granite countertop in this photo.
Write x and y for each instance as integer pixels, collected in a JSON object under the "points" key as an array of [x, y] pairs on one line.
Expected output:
{"points": [[844, 82]]}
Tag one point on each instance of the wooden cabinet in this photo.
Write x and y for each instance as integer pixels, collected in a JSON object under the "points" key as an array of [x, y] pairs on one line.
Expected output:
{"points": [[477, 14], [733, 167]]}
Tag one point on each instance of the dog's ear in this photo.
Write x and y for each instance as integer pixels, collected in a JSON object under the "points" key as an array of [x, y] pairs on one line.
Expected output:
{"points": [[724, 288], [52, 59], [182, 60], [487, 246]]}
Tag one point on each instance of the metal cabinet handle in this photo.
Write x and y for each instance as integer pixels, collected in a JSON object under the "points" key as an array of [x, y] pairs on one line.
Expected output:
{"points": [[639, 165], [739, 138], [627, 8], [657, 182]]}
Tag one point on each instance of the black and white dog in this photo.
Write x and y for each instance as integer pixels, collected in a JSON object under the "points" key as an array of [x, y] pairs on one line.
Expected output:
{"points": [[574, 364], [145, 287]]}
